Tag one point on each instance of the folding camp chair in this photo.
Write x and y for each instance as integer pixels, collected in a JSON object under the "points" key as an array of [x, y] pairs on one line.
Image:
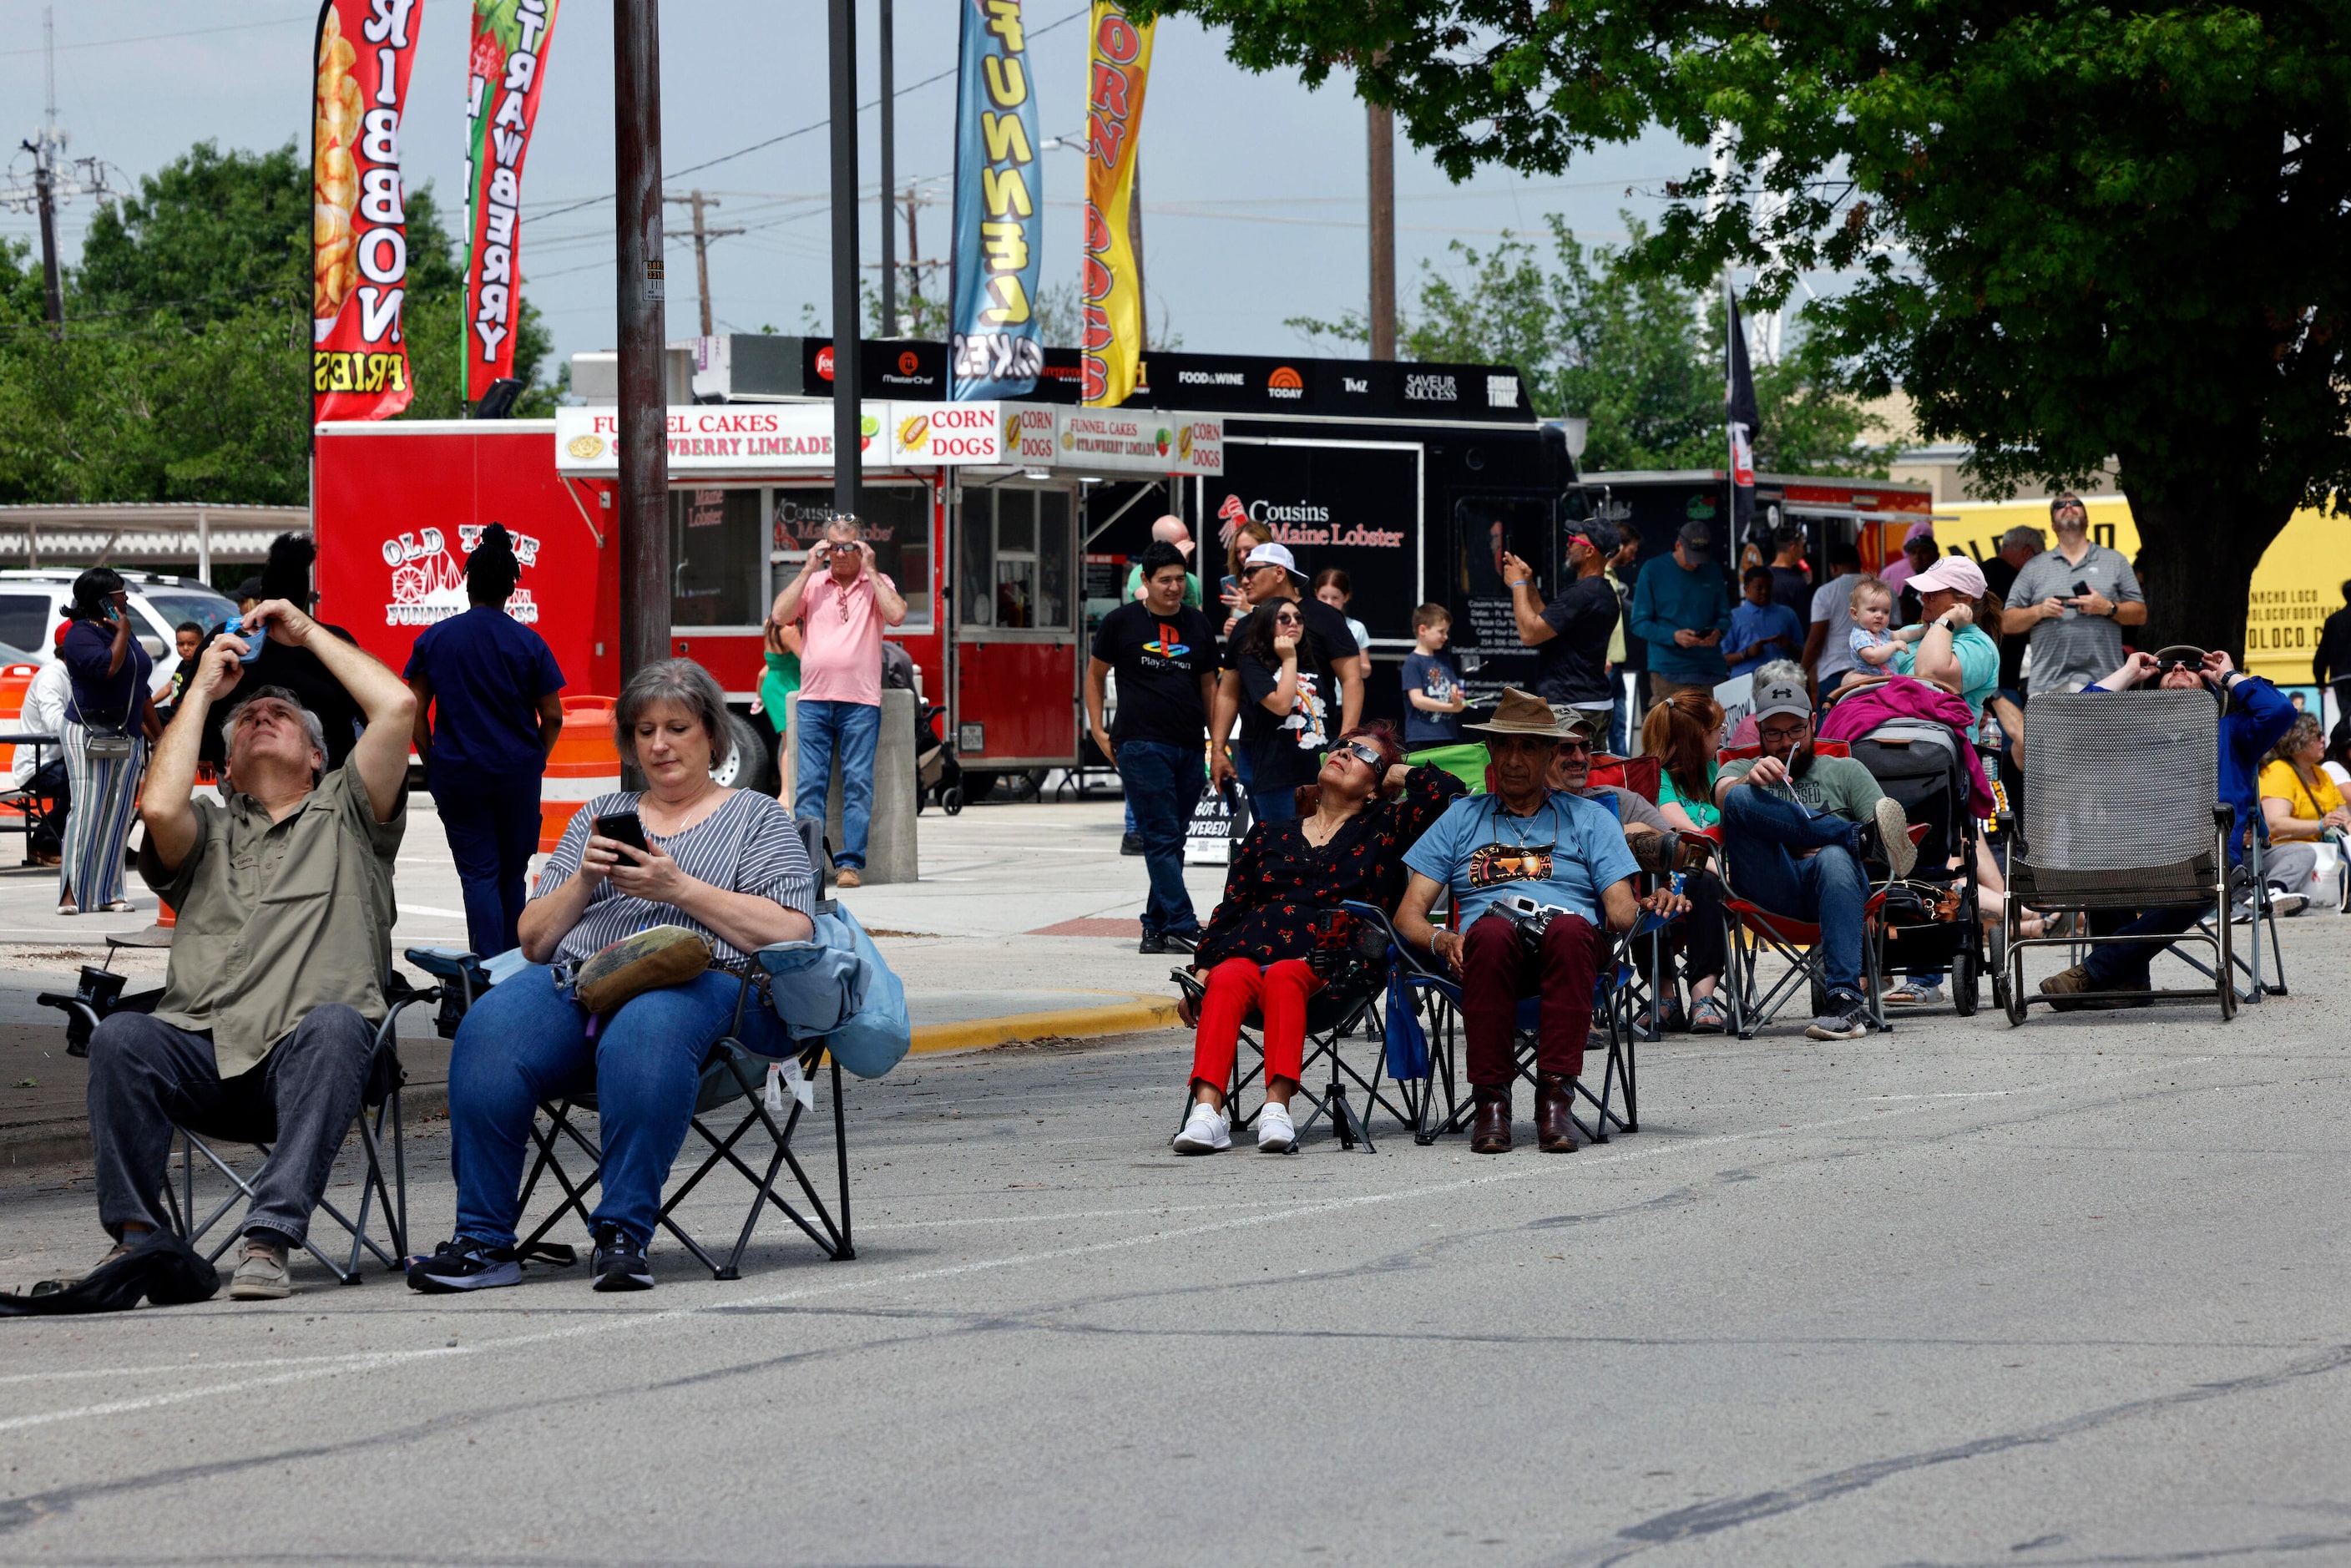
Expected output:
{"points": [[2245, 962], [775, 1092], [1436, 995], [1346, 1011], [380, 1131], [2122, 811], [1751, 931]]}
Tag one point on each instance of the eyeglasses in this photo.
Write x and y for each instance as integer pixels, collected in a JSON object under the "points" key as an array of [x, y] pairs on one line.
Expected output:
{"points": [[1362, 752], [1783, 732]]}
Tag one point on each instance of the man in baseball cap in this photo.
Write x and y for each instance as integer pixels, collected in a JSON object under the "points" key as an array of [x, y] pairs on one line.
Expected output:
{"points": [[1681, 607], [1797, 828], [1569, 634]]}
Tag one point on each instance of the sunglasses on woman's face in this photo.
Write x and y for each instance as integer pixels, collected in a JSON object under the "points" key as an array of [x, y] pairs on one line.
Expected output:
{"points": [[1367, 754], [1287, 619]]}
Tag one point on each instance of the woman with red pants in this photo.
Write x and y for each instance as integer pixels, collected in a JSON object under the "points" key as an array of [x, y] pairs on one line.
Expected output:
{"points": [[1281, 902]]}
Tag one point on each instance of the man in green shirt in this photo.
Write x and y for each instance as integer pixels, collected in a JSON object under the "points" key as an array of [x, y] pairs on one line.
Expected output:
{"points": [[1168, 530], [1797, 827], [283, 887]]}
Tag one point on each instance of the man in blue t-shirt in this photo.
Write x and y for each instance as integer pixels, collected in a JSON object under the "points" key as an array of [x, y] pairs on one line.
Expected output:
{"points": [[1561, 853]]}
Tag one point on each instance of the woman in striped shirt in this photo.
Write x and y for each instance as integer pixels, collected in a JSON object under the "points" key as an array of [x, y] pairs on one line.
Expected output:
{"points": [[726, 863]]}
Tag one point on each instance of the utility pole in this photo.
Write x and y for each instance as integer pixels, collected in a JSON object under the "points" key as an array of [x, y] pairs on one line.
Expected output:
{"points": [[1380, 124], [643, 412], [848, 408], [889, 171], [914, 254], [702, 238]]}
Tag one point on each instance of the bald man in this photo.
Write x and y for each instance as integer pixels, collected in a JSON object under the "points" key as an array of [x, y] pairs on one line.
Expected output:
{"points": [[1169, 530]]}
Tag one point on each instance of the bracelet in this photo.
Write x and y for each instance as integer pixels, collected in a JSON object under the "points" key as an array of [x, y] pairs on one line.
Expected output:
{"points": [[1520, 581]]}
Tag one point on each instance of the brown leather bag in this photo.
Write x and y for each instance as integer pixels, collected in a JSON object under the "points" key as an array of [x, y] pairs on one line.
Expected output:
{"points": [[656, 956]]}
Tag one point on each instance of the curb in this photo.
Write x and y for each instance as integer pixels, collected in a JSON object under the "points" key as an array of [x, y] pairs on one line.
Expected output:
{"points": [[69, 1144], [1117, 1017]]}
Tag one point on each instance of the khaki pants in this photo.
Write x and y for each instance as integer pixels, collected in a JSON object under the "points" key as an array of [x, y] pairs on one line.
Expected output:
{"points": [[1663, 690]]}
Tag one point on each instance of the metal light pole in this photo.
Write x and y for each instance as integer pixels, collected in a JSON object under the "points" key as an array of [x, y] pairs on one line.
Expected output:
{"points": [[888, 173], [644, 409], [847, 390]]}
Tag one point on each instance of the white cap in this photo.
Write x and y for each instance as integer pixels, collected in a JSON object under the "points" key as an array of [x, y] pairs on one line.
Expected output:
{"points": [[1273, 554]]}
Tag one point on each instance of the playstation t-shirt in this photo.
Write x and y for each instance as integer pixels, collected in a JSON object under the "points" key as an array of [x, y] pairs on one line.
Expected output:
{"points": [[1158, 660], [1565, 855]]}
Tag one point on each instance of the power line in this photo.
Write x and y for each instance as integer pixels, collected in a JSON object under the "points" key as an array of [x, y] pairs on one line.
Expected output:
{"points": [[152, 37]]}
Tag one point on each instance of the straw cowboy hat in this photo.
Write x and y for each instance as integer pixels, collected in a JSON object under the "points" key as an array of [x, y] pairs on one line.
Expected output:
{"points": [[1523, 713]]}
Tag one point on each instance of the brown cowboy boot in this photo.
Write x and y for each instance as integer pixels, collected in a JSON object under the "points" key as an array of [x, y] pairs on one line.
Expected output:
{"points": [[1554, 1114], [1491, 1133]]}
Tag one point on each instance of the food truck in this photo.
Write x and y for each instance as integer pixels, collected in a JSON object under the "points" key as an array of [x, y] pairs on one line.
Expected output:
{"points": [[1007, 525]]}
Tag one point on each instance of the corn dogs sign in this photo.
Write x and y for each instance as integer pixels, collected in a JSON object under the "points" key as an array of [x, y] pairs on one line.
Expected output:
{"points": [[359, 237]]}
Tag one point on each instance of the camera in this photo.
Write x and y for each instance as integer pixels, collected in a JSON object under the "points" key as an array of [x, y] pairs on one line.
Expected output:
{"points": [[1533, 919]]}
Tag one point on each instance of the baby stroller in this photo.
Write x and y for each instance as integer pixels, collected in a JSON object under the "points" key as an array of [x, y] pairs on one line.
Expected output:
{"points": [[1931, 917]]}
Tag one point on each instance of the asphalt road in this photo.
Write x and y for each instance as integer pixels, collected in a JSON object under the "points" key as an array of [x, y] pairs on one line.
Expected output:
{"points": [[2068, 1294]]}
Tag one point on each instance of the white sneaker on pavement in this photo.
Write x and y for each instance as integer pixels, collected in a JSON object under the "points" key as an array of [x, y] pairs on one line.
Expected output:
{"points": [[1205, 1130], [1275, 1133]]}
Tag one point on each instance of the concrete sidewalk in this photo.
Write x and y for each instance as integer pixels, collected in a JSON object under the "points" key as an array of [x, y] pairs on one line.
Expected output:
{"points": [[1022, 928]]}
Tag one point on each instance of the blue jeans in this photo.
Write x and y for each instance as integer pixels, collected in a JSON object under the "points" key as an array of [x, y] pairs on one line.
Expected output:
{"points": [[492, 824], [1274, 805], [1827, 889], [2114, 966], [1163, 784], [525, 1041], [852, 728]]}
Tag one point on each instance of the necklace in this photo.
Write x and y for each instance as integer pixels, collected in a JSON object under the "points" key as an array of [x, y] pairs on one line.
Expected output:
{"points": [[1518, 834]]}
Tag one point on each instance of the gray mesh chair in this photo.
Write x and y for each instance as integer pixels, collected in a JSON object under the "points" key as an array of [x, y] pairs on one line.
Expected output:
{"points": [[2121, 812]]}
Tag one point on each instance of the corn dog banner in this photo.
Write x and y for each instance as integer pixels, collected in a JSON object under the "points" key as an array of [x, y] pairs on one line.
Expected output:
{"points": [[359, 237], [507, 66], [1118, 65], [994, 348]]}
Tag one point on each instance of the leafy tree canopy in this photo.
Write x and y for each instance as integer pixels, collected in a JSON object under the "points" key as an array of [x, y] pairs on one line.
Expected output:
{"points": [[1634, 352], [2078, 230], [184, 372]]}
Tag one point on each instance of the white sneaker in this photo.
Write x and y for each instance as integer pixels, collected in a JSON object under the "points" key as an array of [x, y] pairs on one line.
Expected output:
{"points": [[1205, 1130], [2285, 905], [1894, 838], [1275, 1133]]}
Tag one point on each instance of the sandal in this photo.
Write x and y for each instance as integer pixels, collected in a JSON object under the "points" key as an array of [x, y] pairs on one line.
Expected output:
{"points": [[68, 907], [1707, 1016], [121, 907]]}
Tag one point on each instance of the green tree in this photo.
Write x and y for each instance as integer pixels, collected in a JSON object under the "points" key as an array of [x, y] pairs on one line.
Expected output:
{"points": [[185, 370], [1592, 334], [2078, 231]]}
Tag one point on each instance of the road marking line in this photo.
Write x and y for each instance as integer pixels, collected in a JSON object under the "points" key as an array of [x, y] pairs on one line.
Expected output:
{"points": [[371, 1361]]}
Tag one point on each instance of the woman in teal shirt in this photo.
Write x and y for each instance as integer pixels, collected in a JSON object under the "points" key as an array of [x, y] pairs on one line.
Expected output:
{"points": [[1956, 652], [1683, 733]]}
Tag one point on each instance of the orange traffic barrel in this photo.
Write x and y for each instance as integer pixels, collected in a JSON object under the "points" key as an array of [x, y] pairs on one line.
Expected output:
{"points": [[14, 679], [584, 765]]}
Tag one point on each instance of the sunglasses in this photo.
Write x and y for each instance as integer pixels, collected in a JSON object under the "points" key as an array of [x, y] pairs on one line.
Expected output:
{"points": [[1576, 747], [1367, 754], [1287, 618]]}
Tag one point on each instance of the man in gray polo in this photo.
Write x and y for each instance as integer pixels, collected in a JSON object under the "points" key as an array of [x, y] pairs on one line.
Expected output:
{"points": [[266, 1025], [2074, 600]]}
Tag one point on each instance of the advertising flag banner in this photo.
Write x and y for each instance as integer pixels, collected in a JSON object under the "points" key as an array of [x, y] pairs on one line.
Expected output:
{"points": [[359, 234], [507, 67], [1740, 417], [994, 348], [1118, 68]]}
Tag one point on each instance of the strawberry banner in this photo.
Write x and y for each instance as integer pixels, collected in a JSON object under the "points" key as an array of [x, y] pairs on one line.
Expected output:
{"points": [[507, 66], [358, 235]]}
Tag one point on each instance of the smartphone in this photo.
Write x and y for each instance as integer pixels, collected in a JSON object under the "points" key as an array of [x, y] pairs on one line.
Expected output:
{"points": [[624, 828], [234, 627]]}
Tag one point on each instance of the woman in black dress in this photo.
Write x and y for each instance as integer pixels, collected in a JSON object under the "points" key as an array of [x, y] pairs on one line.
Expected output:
{"points": [[1282, 903]]}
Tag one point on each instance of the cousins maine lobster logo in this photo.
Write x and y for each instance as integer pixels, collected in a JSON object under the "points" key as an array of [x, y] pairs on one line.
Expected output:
{"points": [[428, 583]]}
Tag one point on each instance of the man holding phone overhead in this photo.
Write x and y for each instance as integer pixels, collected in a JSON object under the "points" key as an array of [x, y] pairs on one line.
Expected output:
{"points": [[843, 602], [2073, 601]]}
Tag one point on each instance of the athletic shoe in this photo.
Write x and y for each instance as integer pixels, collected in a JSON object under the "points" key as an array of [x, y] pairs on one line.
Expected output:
{"points": [[260, 1272], [463, 1263], [1846, 1019], [1206, 1130], [2285, 905], [2243, 913], [619, 1261], [1130, 843], [1275, 1133], [1182, 941], [1894, 838], [1152, 942]]}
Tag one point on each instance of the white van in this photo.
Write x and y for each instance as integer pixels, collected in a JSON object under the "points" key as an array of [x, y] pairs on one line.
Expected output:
{"points": [[32, 603]]}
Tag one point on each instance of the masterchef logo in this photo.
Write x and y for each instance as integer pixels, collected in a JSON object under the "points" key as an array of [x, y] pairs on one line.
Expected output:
{"points": [[1285, 383], [908, 363]]}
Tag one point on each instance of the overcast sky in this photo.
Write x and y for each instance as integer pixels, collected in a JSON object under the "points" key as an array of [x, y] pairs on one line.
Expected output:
{"points": [[1253, 186]]}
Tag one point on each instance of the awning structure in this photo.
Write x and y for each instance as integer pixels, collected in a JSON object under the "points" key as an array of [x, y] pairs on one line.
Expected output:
{"points": [[135, 532]]}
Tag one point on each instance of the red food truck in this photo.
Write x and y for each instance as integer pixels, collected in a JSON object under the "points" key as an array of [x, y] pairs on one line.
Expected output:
{"points": [[1008, 525]]}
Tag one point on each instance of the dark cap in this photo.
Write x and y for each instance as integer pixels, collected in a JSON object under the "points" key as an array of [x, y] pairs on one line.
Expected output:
{"points": [[1698, 539], [1597, 532]]}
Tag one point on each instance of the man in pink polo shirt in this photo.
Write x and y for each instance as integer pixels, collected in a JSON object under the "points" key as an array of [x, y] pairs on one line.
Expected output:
{"points": [[842, 603]]}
